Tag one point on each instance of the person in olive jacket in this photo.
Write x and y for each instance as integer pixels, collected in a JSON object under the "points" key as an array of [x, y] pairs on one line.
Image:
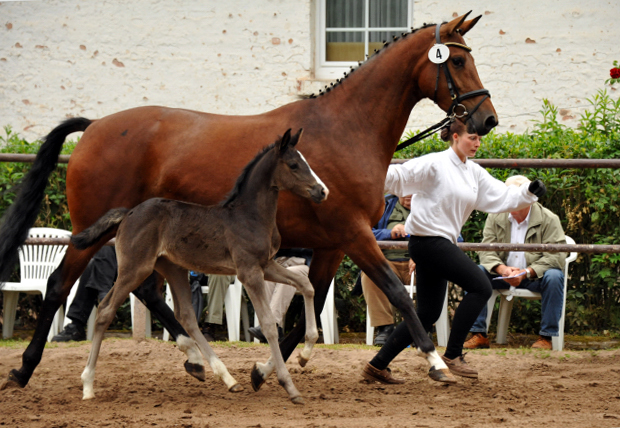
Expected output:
{"points": [[540, 272]]}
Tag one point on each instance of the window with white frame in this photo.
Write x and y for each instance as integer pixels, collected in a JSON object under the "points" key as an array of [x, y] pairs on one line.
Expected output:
{"points": [[349, 30]]}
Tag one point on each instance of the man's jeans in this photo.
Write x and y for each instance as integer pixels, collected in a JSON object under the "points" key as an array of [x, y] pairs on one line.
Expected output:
{"points": [[551, 288]]}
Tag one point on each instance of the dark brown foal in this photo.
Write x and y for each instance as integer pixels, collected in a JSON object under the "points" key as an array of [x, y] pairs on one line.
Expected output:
{"points": [[238, 236]]}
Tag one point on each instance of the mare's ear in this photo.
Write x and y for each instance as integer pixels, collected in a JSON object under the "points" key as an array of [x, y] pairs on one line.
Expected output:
{"points": [[453, 25], [284, 142], [295, 138], [468, 25]]}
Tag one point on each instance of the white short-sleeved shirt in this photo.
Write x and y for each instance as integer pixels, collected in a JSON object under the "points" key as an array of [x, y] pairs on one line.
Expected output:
{"points": [[445, 191]]}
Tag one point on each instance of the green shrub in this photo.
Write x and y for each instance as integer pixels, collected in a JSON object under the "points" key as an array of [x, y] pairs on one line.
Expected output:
{"points": [[586, 200]]}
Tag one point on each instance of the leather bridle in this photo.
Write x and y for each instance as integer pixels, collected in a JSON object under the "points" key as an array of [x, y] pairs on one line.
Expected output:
{"points": [[457, 109]]}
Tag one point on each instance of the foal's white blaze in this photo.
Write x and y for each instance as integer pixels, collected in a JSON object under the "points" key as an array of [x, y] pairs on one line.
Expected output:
{"points": [[316, 177], [433, 359]]}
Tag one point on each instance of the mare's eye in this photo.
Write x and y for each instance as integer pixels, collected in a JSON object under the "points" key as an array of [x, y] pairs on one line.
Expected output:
{"points": [[458, 61], [293, 166]]}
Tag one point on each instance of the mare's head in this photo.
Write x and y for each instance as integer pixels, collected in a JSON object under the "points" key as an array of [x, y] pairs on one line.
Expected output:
{"points": [[449, 76], [293, 172]]}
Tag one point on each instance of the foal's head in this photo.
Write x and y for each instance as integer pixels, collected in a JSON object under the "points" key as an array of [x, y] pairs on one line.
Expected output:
{"points": [[293, 172]]}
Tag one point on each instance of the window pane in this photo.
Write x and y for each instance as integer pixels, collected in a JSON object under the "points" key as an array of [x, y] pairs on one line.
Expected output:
{"points": [[345, 13], [345, 46], [388, 13]]}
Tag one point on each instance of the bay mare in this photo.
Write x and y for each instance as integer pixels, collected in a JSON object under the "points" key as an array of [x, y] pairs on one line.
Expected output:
{"points": [[350, 135], [239, 237]]}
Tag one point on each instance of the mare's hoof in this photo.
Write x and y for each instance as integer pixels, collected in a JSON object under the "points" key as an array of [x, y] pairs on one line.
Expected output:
{"points": [[13, 381], [236, 388], [298, 400], [441, 375], [196, 370], [302, 361], [257, 378]]}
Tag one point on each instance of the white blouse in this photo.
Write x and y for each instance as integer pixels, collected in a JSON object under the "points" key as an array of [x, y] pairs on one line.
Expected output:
{"points": [[445, 191]]}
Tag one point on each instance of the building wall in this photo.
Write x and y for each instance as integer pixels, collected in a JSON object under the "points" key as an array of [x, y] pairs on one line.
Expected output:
{"points": [[62, 58]]}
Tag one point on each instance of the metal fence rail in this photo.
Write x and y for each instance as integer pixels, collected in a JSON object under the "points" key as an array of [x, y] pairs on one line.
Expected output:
{"points": [[465, 246], [487, 163]]}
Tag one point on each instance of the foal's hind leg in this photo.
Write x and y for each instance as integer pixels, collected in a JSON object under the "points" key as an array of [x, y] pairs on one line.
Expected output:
{"points": [[178, 279], [107, 311], [277, 273], [255, 287]]}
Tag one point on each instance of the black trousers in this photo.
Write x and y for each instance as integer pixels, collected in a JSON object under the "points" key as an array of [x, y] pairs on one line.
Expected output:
{"points": [[438, 261]]}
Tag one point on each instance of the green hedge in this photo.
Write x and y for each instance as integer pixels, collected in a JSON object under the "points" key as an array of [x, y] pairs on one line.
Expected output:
{"points": [[585, 199]]}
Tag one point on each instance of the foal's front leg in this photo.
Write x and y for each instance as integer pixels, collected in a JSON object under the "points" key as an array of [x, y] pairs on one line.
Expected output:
{"points": [[255, 287], [277, 273]]}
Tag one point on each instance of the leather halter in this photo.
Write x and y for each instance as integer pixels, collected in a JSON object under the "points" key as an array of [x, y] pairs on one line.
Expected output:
{"points": [[456, 97], [454, 92]]}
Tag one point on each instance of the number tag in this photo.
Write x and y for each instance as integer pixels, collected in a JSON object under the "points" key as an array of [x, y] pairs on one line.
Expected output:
{"points": [[439, 54]]}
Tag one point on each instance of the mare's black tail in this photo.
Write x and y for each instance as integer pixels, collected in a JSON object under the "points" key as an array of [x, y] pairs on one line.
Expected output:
{"points": [[21, 215], [106, 224]]}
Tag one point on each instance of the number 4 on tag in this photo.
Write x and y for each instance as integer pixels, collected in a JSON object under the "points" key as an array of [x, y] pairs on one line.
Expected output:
{"points": [[439, 54]]}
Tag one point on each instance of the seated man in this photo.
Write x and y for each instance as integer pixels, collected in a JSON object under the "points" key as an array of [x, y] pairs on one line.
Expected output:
{"points": [[542, 272], [295, 259], [390, 227]]}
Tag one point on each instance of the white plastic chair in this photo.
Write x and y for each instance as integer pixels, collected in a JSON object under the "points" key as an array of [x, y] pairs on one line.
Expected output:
{"points": [[236, 311], [329, 318], [505, 306], [442, 325], [37, 263]]}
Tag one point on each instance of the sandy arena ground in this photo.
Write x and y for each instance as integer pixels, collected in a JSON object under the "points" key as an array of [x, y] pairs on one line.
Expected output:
{"points": [[143, 384]]}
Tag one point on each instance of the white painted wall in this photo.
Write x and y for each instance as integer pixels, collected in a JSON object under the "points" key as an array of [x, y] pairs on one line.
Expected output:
{"points": [[62, 58]]}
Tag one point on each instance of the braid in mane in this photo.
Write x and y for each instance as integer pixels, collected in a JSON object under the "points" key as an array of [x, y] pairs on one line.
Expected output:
{"points": [[395, 39]]}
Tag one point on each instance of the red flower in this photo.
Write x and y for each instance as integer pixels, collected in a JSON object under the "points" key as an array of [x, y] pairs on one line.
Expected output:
{"points": [[615, 73]]}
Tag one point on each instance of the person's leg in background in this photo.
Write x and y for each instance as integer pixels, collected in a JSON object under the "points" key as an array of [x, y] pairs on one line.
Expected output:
{"points": [[281, 296], [380, 310], [218, 285], [551, 288], [95, 282]]}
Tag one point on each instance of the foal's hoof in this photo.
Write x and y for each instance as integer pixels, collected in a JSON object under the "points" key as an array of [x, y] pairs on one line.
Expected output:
{"points": [[257, 378], [298, 400], [441, 375], [235, 388], [302, 361], [12, 381], [196, 370]]}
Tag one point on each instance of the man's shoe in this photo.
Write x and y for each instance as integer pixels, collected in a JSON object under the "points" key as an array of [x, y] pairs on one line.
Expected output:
{"points": [[459, 367], [543, 343], [72, 332], [384, 376], [383, 332], [477, 341], [257, 333]]}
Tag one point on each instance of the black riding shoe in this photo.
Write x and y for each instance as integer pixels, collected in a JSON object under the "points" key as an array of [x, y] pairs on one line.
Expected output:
{"points": [[257, 333], [383, 332], [72, 333]]}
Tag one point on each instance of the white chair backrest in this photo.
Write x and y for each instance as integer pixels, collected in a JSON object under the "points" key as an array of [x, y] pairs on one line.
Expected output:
{"points": [[571, 256], [38, 262]]}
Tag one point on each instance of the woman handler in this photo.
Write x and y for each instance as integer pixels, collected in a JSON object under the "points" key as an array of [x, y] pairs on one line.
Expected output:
{"points": [[446, 188]]}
